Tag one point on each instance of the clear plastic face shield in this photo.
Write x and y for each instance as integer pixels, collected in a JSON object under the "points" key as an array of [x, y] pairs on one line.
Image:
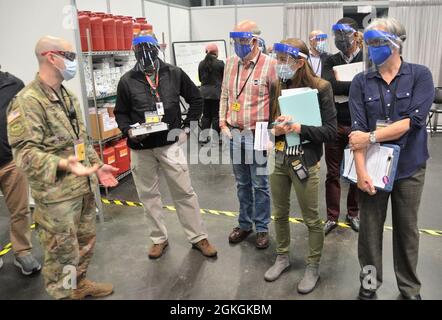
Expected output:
{"points": [[262, 45], [378, 47], [287, 58], [344, 37], [242, 43], [319, 42], [146, 49]]}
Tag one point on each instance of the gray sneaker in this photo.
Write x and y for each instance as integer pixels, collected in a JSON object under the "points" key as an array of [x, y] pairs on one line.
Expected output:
{"points": [[27, 264], [310, 279], [282, 263], [1, 263]]}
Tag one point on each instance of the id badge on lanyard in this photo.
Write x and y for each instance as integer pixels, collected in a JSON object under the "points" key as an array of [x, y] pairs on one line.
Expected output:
{"points": [[80, 149]]}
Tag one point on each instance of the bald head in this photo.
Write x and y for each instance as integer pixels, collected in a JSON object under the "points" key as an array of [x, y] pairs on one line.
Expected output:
{"points": [[50, 43], [248, 26], [314, 33]]}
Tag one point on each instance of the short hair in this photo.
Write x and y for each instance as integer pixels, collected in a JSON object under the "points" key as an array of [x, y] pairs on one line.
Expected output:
{"points": [[349, 21], [391, 25]]}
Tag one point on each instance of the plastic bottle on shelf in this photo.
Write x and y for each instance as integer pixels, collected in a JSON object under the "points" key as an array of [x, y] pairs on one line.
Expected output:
{"points": [[84, 23], [110, 33], [97, 33], [120, 32], [128, 26]]}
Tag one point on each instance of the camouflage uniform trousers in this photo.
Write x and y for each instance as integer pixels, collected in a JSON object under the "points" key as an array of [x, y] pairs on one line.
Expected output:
{"points": [[67, 234]]}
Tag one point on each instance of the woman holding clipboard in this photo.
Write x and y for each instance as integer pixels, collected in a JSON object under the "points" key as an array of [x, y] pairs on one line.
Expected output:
{"points": [[298, 166]]}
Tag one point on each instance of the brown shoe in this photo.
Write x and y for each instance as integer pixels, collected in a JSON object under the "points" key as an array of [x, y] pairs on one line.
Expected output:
{"points": [[157, 250], [93, 289], [238, 235], [206, 248], [262, 240]]}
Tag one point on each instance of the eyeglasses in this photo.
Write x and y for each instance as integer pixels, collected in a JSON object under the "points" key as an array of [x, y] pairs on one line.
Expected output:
{"points": [[377, 42], [66, 54]]}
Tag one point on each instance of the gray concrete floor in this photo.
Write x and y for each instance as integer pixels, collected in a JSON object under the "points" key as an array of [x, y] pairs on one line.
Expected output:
{"points": [[182, 273]]}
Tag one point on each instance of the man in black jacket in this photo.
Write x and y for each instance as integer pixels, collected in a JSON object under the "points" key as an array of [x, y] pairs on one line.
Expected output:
{"points": [[150, 93], [345, 32], [14, 185]]}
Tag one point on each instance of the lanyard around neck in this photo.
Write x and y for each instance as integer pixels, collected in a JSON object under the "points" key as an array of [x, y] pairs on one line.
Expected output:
{"points": [[245, 83], [69, 111], [154, 87], [387, 108]]}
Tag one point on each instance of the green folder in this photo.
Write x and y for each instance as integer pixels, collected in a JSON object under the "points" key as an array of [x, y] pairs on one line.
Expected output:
{"points": [[303, 107]]}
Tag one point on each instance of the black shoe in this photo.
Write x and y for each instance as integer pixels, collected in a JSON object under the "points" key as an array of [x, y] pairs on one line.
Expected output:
{"points": [[365, 294], [329, 226], [354, 222], [416, 297]]}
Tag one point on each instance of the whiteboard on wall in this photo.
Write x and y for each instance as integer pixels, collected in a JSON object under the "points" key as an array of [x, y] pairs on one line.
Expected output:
{"points": [[212, 23], [272, 30], [188, 55]]}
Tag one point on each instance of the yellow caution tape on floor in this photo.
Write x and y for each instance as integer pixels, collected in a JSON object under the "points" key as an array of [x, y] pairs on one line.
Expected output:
{"points": [[8, 247], [436, 233]]}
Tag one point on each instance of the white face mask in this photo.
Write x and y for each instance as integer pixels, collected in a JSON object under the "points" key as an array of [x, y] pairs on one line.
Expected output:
{"points": [[70, 69], [285, 72]]}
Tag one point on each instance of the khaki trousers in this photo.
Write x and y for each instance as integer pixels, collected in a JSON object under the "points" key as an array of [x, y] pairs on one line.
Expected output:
{"points": [[146, 165], [14, 186]]}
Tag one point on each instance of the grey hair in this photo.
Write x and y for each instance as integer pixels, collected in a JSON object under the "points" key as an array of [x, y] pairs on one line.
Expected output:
{"points": [[392, 26]]}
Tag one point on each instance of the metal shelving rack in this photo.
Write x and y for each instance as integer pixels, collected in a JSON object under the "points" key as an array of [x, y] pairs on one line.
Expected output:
{"points": [[95, 98]]}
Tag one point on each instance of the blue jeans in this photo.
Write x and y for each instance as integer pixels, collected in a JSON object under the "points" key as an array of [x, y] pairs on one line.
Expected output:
{"points": [[252, 183]]}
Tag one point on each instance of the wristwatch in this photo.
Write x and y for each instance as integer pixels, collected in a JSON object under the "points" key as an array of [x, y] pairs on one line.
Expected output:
{"points": [[372, 137]]}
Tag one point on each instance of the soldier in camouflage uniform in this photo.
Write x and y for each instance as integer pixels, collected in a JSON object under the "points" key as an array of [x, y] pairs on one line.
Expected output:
{"points": [[49, 142]]}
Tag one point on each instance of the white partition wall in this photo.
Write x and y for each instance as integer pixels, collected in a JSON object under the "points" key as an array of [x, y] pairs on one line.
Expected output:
{"points": [[92, 5], [131, 8], [25, 28], [157, 14], [270, 19], [180, 24], [210, 23]]}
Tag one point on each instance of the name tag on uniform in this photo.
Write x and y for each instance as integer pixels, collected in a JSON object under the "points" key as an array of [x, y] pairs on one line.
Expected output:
{"points": [[160, 108], [383, 124], [80, 150], [236, 106]]}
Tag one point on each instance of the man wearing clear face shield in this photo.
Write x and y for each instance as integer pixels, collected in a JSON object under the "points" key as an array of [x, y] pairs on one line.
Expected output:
{"points": [[318, 51], [390, 103], [344, 32], [245, 99], [149, 94]]}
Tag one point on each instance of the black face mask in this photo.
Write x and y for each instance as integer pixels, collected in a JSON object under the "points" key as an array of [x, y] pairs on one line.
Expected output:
{"points": [[343, 45], [147, 58]]}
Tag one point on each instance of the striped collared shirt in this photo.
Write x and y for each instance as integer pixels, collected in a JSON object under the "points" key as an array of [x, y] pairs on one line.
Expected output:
{"points": [[254, 100]]}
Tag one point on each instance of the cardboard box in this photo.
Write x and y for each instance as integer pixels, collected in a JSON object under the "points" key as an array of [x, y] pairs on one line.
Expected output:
{"points": [[106, 125]]}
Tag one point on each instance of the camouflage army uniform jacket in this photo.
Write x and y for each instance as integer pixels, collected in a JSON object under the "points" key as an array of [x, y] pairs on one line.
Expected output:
{"points": [[41, 134]]}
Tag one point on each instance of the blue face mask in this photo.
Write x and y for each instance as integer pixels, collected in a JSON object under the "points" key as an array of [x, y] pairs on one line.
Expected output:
{"points": [[70, 69], [242, 50], [285, 72], [379, 54]]}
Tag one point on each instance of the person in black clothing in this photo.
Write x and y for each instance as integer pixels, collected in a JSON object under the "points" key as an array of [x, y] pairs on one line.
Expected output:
{"points": [[210, 72], [14, 185], [151, 88], [345, 35]]}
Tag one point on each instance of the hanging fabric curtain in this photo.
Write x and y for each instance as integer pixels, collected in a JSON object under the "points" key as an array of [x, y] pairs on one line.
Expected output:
{"points": [[302, 18], [422, 21]]}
